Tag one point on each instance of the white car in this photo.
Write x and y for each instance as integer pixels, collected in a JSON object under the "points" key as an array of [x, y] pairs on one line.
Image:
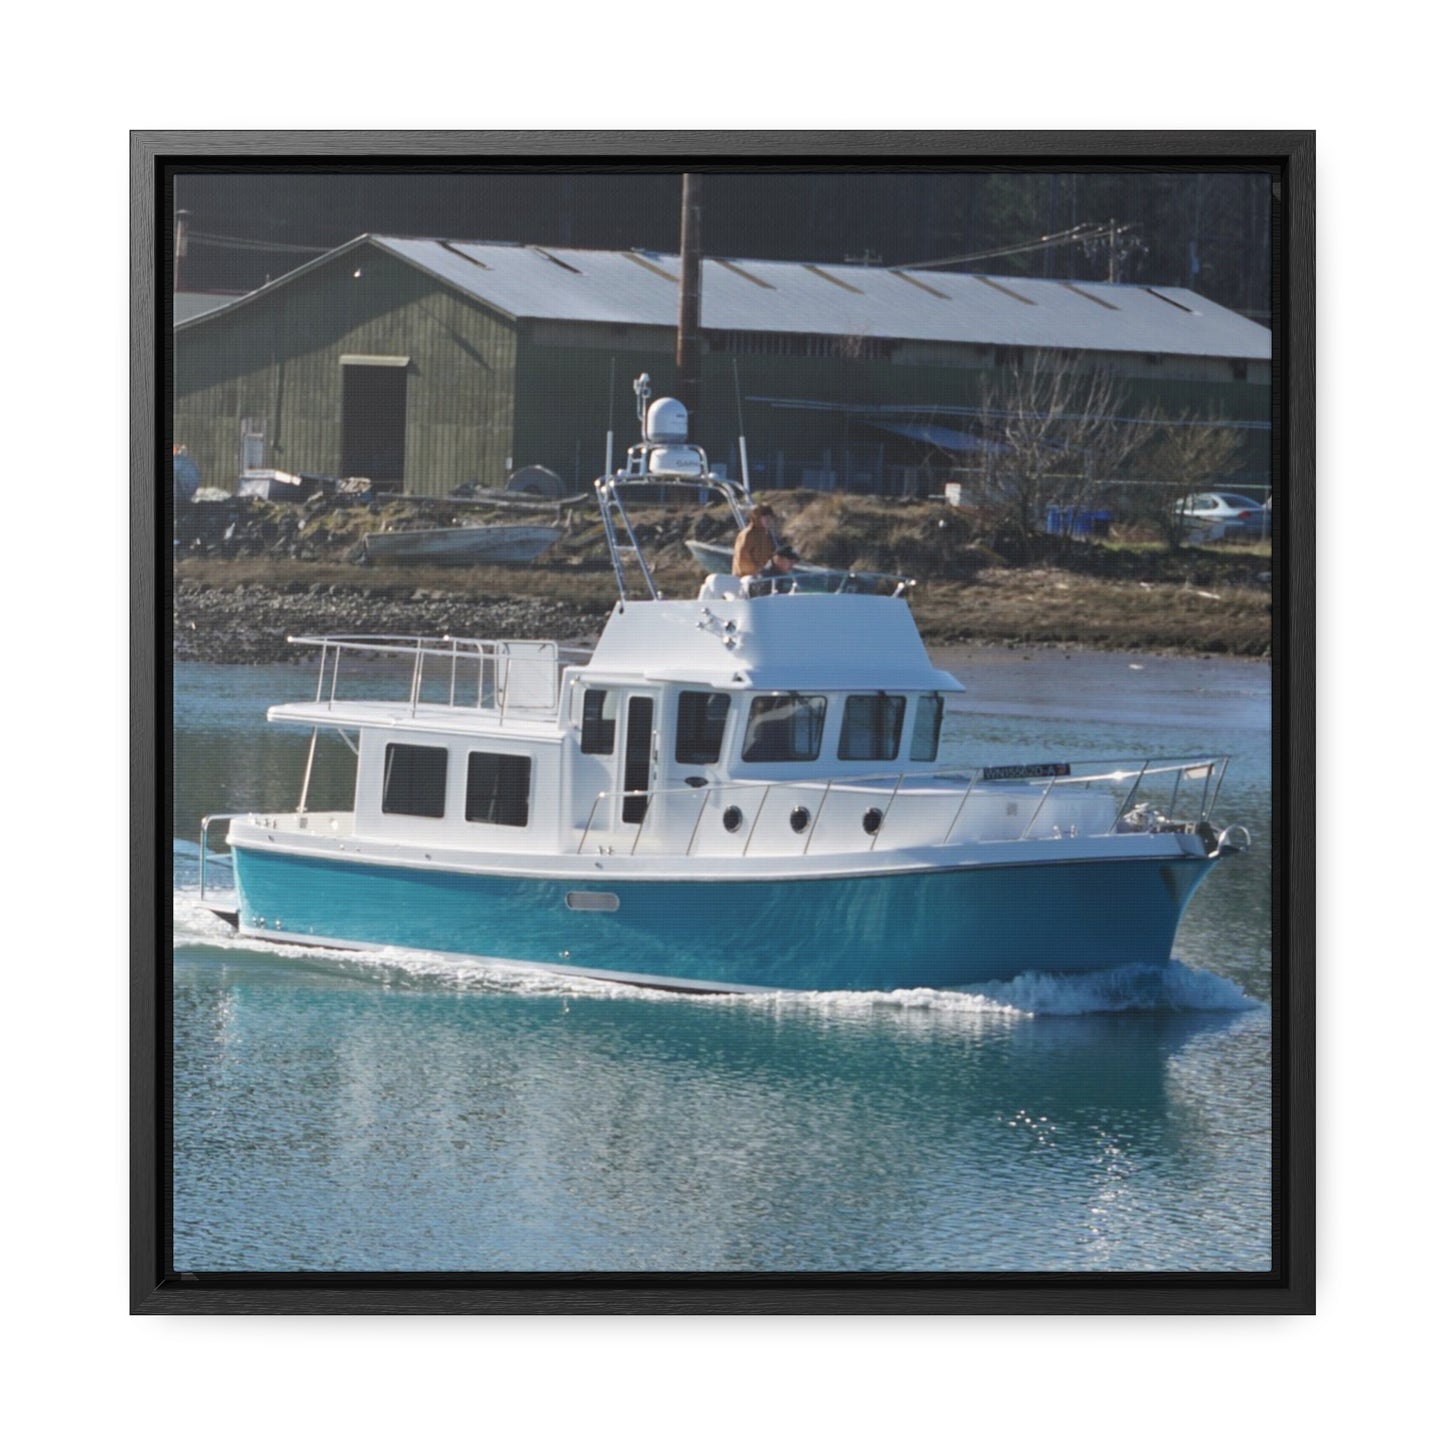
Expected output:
{"points": [[1213, 516]]}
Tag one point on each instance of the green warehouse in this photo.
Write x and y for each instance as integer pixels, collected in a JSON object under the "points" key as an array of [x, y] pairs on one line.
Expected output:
{"points": [[427, 364]]}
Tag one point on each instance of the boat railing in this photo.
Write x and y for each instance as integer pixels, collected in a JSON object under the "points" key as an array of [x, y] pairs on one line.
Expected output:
{"points": [[206, 854], [855, 812], [498, 676], [830, 580], [641, 478]]}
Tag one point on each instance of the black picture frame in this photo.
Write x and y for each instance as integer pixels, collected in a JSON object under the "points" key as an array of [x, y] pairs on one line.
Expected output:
{"points": [[1288, 1288]]}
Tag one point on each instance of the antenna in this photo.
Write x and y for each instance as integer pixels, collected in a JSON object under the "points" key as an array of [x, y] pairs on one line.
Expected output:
{"points": [[611, 391], [643, 387], [742, 440]]}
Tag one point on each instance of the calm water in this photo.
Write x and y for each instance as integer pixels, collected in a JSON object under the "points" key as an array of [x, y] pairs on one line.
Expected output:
{"points": [[393, 1111]]}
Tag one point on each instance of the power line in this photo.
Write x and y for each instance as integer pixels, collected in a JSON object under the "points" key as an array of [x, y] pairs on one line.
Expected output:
{"points": [[1084, 234], [1084, 231], [246, 243], [994, 413]]}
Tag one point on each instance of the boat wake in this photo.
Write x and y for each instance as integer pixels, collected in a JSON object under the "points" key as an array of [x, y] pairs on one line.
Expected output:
{"points": [[1177, 988], [1135, 988]]}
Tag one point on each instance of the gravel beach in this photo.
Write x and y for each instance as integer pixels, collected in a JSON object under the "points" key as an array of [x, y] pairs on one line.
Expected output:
{"points": [[251, 623]]}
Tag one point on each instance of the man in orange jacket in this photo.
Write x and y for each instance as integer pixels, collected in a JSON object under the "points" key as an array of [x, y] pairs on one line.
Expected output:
{"points": [[756, 544]]}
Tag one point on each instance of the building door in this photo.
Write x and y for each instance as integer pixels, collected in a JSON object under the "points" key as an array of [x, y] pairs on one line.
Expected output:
{"points": [[373, 423]]}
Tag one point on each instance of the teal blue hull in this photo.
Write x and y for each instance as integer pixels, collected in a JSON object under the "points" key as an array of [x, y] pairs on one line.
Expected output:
{"points": [[934, 929]]}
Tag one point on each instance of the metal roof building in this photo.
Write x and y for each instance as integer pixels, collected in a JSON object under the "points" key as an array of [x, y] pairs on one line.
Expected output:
{"points": [[189, 304], [427, 363], [635, 288]]}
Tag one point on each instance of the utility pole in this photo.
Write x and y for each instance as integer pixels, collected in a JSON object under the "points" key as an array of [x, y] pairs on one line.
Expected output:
{"points": [[689, 315]]}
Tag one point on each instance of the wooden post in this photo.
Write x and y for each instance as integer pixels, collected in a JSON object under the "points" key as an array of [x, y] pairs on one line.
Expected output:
{"points": [[689, 315]]}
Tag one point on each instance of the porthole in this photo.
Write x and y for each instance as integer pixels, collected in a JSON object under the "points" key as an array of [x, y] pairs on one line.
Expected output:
{"points": [[800, 817], [592, 902], [872, 821], [733, 819]]}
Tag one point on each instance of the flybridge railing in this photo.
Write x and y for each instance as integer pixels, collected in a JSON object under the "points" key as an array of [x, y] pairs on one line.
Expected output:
{"points": [[466, 673], [648, 472], [1009, 803]]}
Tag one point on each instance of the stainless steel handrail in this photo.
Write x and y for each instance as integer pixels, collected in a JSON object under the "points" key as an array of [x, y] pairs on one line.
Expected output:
{"points": [[895, 782], [495, 653], [205, 834], [1034, 816], [893, 798]]}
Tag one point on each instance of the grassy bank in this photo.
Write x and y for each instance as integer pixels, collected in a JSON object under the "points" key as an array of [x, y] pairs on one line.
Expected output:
{"points": [[973, 585]]}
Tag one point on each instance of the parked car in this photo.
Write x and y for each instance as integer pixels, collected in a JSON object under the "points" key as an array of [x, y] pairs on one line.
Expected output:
{"points": [[1215, 516]]}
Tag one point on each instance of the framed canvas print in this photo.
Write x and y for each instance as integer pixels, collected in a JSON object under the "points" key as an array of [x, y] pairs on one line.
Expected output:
{"points": [[725, 725]]}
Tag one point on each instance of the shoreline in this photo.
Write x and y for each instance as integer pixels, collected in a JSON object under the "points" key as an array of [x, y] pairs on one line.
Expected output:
{"points": [[234, 613], [254, 573]]}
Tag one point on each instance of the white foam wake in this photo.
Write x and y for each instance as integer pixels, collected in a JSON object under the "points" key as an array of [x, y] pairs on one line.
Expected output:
{"points": [[1134, 988]]}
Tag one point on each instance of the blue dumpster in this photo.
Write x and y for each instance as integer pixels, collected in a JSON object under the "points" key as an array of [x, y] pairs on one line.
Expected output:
{"points": [[1077, 522]]}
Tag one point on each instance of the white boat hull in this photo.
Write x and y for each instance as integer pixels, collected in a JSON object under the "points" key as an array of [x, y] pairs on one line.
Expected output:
{"points": [[461, 546]]}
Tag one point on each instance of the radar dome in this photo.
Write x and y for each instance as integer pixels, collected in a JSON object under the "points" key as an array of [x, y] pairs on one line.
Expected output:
{"points": [[666, 421]]}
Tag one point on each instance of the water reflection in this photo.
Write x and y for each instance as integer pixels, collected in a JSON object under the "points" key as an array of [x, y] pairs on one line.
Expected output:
{"points": [[646, 1133]]}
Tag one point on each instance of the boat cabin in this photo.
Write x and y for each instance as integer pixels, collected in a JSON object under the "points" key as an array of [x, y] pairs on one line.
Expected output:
{"points": [[695, 726]]}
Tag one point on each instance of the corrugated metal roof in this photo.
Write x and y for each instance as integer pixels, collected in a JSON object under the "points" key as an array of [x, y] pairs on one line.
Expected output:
{"points": [[931, 434], [640, 289], [190, 304]]}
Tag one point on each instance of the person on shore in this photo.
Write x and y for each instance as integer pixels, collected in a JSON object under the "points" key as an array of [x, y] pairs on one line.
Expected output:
{"points": [[755, 545]]}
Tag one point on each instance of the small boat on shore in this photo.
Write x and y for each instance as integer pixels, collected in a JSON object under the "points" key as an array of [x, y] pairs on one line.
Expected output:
{"points": [[731, 792], [711, 556], [464, 546]]}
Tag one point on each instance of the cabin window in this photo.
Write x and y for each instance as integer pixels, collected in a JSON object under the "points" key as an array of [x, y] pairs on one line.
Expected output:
{"points": [[637, 760], [701, 718], [927, 721], [599, 721], [415, 781], [872, 727], [498, 788], [784, 729]]}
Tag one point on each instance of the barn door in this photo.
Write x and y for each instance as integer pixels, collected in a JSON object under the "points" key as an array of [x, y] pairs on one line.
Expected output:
{"points": [[373, 423]]}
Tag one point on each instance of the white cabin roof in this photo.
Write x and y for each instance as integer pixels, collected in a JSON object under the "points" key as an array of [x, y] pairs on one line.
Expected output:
{"points": [[793, 642]]}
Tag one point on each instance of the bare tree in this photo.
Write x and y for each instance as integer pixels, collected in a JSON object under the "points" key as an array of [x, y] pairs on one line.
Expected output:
{"points": [[1188, 455], [1057, 435]]}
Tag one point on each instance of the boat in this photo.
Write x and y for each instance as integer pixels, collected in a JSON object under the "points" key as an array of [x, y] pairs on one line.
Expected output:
{"points": [[463, 546], [269, 485], [730, 792], [712, 556]]}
